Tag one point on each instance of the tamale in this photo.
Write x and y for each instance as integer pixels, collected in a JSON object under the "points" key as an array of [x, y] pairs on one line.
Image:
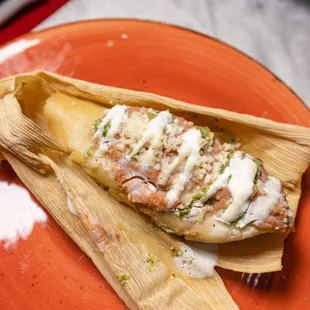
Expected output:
{"points": [[136, 155], [100, 217]]}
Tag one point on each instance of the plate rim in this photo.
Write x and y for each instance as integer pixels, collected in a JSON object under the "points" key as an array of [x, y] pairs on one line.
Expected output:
{"points": [[104, 21], [164, 24]]}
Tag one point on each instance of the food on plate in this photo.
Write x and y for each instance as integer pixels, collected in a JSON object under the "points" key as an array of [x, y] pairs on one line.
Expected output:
{"points": [[206, 174], [181, 175]]}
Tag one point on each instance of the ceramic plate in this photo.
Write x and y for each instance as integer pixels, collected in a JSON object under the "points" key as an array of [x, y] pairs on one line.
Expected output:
{"points": [[47, 270]]}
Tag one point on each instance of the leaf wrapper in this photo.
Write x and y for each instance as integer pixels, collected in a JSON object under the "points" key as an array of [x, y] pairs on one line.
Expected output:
{"points": [[117, 247]]}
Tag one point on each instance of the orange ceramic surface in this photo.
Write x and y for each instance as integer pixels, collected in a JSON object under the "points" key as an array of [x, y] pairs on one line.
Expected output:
{"points": [[48, 271]]}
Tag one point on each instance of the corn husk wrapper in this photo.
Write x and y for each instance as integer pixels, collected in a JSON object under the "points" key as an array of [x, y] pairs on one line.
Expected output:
{"points": [[135, 247]]}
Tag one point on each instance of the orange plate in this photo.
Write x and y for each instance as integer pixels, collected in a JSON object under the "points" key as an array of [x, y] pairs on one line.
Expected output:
{"points": [[48, 271]]}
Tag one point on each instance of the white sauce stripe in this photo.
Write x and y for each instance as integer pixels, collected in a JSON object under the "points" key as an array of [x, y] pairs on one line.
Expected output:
{"points": [[239, 178], [190, 149], [116, 115], [154, 133], [196, 260], [260, 208], [18, 213]]}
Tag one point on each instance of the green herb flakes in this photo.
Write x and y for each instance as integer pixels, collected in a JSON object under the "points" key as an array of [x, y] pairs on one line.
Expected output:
{"points": [[97, 123], [229, 156], [231, 153], [150, 262], [258, 162], [222, 169], [205, 132], [201, 193], [255, 183], [106, 128], [123, 278], [89, 153], [198, 195], [151, 115], [185, 211]]}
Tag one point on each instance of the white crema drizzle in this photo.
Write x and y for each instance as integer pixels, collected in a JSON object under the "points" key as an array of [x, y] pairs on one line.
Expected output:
{"points": [[239, 178], [189, 151], [154, 133], [116, 115], [196, 260], [260, 208]]}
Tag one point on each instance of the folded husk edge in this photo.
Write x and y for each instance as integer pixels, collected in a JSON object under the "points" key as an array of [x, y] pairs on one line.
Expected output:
{"points": [[260, 254]]}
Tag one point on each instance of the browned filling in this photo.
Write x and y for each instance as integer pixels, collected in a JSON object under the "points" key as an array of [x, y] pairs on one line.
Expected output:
{"points": [[142, 189]]}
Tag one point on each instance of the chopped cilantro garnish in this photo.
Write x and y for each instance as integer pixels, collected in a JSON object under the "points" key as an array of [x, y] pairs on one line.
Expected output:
{"points": [[222, 169], [123, 278], [106, 128], [231, 152], [185, 211], [229, 156], [89, 153], [130, 150], [229, 178], [255, 180], [150, 262], [258, 162], [205, 132], [96, 124], [199, 194], [151, 115]]}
